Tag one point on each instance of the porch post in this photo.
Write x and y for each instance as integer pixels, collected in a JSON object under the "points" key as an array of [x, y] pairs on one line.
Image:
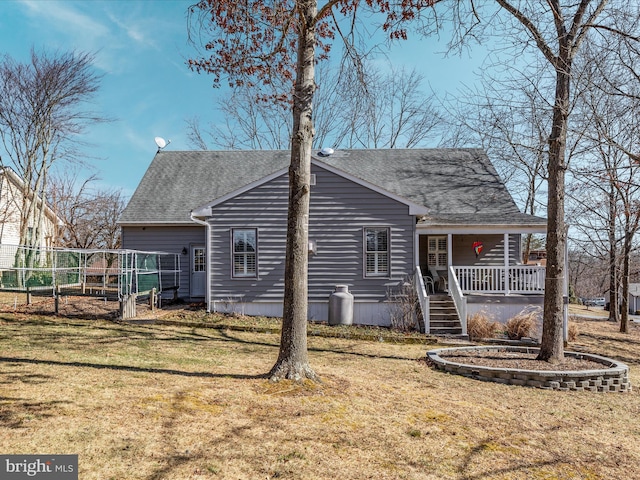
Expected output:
{"points": [[449, 250], [506, 264], [416, 250]]}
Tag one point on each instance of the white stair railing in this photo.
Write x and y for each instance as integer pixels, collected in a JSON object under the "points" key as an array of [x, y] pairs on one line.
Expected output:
{"points": [[459, 300], [423, 298]]}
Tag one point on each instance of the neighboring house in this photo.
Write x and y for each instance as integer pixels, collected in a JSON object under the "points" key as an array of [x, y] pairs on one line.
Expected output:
{"points": [[11, 204], [378, 219], [634, 298], [538, 257]]}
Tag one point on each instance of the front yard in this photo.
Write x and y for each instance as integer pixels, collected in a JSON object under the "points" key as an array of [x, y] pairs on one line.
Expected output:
{"points": [[153, 401]]}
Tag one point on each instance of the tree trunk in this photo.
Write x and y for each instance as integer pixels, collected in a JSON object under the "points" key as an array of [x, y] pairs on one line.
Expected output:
{"points": [[527, 249], [293, 360], [552, 346], [626, 265], [613, 260]]}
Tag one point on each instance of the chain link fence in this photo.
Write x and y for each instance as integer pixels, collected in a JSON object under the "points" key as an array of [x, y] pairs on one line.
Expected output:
{"points": [[114, 274]]}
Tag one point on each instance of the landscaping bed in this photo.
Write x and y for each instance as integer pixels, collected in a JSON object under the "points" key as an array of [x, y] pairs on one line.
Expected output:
{"points": [[512, 365]]}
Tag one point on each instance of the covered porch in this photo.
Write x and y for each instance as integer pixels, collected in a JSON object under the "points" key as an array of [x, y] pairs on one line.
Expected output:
{"points": [[478, 267], [479, 263]]}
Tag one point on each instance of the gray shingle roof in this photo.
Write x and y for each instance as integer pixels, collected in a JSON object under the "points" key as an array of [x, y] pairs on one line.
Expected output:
{"points": [[459, 185]]}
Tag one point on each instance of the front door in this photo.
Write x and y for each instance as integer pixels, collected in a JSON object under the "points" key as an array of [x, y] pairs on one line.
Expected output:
{"points": [[198, 271]]}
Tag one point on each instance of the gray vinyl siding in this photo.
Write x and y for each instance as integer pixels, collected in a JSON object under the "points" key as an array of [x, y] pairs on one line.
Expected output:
{"points": [[464, 255], [167, 239], [492, 252], [339, 211]]}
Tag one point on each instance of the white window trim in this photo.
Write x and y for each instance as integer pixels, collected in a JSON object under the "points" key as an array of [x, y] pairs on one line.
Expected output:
{"points": [[367, 274], [233, 269], [438, 251], [193, 259]]}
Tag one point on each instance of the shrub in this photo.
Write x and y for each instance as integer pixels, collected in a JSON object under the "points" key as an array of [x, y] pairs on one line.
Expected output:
{"points": [[480, 325], [404, 306], [523, 324], [573, 332]]}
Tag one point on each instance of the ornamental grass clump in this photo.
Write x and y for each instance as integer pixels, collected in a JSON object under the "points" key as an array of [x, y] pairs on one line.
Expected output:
{"points": [[522, 325], [480, 325], [573, 332]]}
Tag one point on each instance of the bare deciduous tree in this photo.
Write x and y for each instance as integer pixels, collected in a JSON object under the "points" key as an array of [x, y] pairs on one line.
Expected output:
{"points": [[510, 117], [555, 30], [610, 167], [353, 109], [90, 215], [593, 208], [585, 271], [259, 42], [249, 123], [391, 112], [41, 117]]}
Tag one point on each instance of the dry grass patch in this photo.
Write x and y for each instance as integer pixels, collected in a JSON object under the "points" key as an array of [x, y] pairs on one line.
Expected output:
{"points": [[480, 325], [170, 402], [602, 337], [190, 315], [522, 325], [572, 331]]}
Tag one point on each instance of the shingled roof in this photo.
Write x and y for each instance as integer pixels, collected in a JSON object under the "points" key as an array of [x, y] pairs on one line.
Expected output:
{"points": [[455, 185]]}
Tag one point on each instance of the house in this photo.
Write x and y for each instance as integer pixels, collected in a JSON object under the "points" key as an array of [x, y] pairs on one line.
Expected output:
{"points": [[538, 257], [438, 218], [12, 190], [634, 298], [14, 259]]}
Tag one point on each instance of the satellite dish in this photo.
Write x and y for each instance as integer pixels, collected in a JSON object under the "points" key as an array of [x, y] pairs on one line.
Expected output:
{"points": [[160, 142]]}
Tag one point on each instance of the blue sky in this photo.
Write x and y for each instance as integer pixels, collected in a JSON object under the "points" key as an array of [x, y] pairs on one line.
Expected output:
{"points": [[141, 47]]}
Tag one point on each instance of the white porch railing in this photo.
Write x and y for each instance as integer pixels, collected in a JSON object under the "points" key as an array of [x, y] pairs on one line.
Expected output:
{"points": [[423, 298], [523, 279], [459, 299]]}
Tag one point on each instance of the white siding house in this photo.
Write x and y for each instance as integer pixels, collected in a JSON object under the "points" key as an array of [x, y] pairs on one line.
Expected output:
{"points": [[12, 193]]}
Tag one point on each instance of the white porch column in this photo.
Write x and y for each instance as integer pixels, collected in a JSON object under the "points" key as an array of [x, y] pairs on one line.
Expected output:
{"points": [[449, 250], [416, 250], [506, 264]]}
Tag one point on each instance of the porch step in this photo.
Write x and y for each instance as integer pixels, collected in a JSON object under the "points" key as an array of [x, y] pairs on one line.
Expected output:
{"points": [[443, 317]]}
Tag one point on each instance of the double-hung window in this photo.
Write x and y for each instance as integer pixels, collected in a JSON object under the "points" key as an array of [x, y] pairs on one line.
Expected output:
{"points": [[245, 252], [376, 251]]}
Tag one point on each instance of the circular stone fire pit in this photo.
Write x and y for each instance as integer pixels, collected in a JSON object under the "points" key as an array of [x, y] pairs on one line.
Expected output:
{"points": [[612, 377]]}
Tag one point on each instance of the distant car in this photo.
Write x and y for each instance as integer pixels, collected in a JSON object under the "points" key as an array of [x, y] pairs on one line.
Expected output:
{"points": [[595, 302]]}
